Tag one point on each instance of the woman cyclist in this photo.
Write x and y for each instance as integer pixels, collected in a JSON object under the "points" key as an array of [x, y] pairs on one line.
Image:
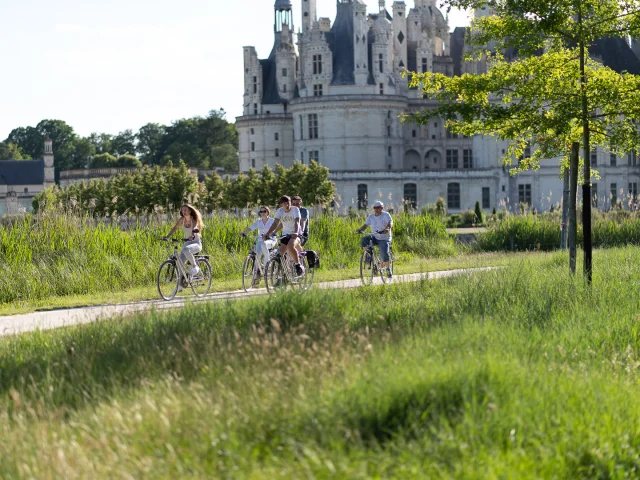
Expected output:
{"points": [[262, 224], [191, 222], [381, 224]]}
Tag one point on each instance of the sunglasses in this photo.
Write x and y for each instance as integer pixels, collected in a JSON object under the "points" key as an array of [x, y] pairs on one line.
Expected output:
{"points": [[375, 208], [263, 211]]}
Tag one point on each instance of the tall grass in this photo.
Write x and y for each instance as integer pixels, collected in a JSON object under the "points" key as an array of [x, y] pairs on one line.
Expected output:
{"points": [[531, 232], [57, 255], [523, 372]]}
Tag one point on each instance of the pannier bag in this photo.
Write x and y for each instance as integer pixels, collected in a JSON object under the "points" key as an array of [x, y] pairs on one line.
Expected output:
{"points": [[313, 259]]}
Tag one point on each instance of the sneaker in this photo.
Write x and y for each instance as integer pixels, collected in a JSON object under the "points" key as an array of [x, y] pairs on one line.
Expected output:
{"points": [[389, 274], [195, 274], [367, 260], [299, 269], [256, 279]]}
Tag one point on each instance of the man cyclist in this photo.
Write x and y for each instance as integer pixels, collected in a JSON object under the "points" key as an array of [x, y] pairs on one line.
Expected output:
{"points": [[289, 217], [381, 224], [304, 219]]}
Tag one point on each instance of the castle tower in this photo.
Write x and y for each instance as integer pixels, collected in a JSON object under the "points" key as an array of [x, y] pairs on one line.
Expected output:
{"points": [[360, 45], [308, 15], [49, 178], [283, 15], [286, 66], [400, 34]]}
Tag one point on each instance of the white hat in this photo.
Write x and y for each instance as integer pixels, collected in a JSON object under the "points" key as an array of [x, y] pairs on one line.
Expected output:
{"points": [[378, 203]]}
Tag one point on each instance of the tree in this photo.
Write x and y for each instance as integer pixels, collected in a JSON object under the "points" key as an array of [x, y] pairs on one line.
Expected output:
{"points": [[102, 142], [553, 95], [11, 151], [149, 139], [128, 161], [124, 143], [103, 160]]}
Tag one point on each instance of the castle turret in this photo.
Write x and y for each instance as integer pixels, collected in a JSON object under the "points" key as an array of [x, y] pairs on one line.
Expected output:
{"points": [[308, 15], [283, 15], [286, 66], [400, 32], [360, 45], [49, 178]]}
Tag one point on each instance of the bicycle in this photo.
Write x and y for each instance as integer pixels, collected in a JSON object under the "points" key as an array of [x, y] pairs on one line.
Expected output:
{"points": [[281, 273], [371, 263], [171, 276], [251, 268]]}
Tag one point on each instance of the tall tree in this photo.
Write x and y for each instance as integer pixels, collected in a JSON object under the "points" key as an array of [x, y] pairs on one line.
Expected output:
{"points": [[11, 151], [553, 95], [124, 143], [149, 139]]}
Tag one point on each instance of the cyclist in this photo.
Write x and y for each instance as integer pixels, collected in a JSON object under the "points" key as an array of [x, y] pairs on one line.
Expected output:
{"points": [[263, 224], [191, 222], [381, 224], [289, 217], [304, 220]]}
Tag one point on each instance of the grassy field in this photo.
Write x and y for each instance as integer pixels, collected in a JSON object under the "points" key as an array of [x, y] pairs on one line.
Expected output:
{"points": [[522, 372]]}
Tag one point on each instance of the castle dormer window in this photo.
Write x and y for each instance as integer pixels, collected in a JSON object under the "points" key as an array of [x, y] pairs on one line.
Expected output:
{"points": [[317, 64]]}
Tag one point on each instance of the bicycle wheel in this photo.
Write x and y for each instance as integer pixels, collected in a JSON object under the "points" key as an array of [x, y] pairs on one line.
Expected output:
{"points": [[366, 267], [201, 284], [275, 276], [248, 272], [168, 279]]}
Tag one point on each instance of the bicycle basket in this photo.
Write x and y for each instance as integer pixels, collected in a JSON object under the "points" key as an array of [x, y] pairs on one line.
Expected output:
{"points": [[313, 259]]}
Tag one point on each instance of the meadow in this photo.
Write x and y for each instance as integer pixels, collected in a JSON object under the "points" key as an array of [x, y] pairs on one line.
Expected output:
{"points": [[522, 372]]}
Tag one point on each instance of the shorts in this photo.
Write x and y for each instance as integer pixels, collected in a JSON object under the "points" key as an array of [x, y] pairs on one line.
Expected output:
{"points": [[284, 240]]}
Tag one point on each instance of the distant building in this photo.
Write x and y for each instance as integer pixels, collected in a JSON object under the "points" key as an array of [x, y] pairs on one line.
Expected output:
{"points": [[21, 180], [335, 96]]}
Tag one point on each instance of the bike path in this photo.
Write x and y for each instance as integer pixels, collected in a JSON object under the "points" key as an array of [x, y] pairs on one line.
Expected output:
{"points": [[15, 324]]}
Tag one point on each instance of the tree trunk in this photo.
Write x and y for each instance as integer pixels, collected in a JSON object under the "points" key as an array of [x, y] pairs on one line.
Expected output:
{"points": [[586, 183], [573, 216], [565, 209]]}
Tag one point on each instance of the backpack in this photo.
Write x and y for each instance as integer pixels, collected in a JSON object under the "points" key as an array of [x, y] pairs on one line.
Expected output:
{"points": [[313, 258]]}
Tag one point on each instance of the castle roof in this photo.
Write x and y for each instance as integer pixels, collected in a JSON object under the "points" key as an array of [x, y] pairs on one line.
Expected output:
{"points": [[617, 55], [21, 172], [283, 5], [341, 43]]}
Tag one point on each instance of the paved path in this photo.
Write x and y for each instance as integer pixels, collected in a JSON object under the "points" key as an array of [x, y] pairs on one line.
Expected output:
{"points": [[14, 324]]}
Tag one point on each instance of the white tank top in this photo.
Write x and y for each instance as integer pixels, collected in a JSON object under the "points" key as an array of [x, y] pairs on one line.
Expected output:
{"points": [[188, 231]]}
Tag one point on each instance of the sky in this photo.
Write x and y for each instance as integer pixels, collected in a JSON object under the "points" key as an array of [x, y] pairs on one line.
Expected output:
{"points": [[110, 65]]}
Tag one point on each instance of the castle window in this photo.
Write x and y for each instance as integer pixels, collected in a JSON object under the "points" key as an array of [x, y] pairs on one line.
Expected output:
{"points": [[453, 195], [284, 72], [613, 192], [424, 65], [253, 146], [255, 84], [381, 62], [252, 131], [527, 151], [255, 108], [388, 131], [632, 159], [389, 151], [284, 88], [410, 195], [486, 197], [524, 193], [313, 125], [452, 158], [451, 135], [253, 163], [362, 196], [277, 152], [382, 89], [276, 136], [594, 195], [26, 190], [302, 157], [613, 159], [413, 133], [633, 191], [317, 90], [314, 155], [467, 158], [317, 64]]}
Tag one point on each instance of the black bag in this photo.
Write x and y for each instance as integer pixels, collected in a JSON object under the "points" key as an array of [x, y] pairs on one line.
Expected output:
{"points": [[313, 258]]}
